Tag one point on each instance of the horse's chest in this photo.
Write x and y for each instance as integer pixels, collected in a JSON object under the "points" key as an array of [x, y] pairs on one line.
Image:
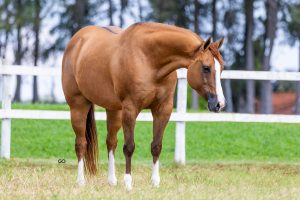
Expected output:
{"points": [[146, 96]]}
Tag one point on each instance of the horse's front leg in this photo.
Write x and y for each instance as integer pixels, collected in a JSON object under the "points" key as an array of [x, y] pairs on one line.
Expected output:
{"points": [[129, 114], [161, 114]]}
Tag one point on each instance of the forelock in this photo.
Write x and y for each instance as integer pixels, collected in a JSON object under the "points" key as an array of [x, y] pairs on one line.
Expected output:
{"points": [[216, 53]]}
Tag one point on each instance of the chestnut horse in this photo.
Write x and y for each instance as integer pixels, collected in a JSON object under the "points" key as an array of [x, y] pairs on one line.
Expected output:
{"points": [[127, 71]]}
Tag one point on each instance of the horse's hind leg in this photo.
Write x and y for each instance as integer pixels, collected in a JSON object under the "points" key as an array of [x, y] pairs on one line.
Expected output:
{"points": [[113, 124], [79, 108]]}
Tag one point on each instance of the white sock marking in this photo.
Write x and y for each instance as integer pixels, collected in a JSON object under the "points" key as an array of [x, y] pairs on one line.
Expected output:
{"points": [[80, 175], [219, 89], [112, 180], [128, 182], [155, 174]]}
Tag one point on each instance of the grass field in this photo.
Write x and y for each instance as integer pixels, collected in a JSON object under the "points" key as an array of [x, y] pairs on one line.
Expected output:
{"points": [[43, 180], [238, 160]]}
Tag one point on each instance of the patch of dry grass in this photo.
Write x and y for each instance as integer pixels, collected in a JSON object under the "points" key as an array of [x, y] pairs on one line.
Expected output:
{"points": [[32, 179]]}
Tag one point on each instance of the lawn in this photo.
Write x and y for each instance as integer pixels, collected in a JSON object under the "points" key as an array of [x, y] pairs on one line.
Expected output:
{"points": [[213, 142], [33, 179], [224, 161]]}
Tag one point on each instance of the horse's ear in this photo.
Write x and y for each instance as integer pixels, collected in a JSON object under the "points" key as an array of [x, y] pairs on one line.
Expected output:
{"points": [[220, 42], [207, 43]]}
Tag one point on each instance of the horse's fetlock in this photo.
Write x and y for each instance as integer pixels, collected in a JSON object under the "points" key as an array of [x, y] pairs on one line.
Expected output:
{"points": [[156, 149], [128, 149]]}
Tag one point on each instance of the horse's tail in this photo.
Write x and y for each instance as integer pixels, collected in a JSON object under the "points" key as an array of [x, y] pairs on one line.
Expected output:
{"points": [[91, 156]]}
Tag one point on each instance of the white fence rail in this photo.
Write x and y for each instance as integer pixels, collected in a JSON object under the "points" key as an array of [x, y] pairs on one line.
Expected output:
{"points": [[180, 116]]}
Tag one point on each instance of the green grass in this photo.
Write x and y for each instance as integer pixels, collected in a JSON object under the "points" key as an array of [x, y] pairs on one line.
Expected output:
{"points": [[211, 142], [204, 141], [225, 161], [44, 106]]}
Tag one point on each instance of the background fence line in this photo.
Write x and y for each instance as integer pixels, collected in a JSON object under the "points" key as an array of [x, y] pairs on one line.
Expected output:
{"points": [[180, 116]]}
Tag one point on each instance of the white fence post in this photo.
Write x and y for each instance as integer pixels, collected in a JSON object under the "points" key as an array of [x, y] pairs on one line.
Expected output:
{"points": [[181, 109], [6, 122]]}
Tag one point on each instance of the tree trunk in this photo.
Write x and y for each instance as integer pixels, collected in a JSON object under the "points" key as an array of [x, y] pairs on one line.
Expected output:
{"points": [[111, 12], [214, 20], [121, 16], [6, 28], [140, 7], [249, 56], [297, 105], [37, 21], [195, 96], [271, 22], [79, 15], [18, 53]]}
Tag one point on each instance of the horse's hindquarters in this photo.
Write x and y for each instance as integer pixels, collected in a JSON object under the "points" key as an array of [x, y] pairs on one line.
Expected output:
{"points": [[86, 69]]}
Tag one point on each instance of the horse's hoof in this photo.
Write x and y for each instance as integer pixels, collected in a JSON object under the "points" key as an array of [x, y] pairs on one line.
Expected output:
{"points": [[112, 180], [155, 181], [81, 182], [128, 182]]}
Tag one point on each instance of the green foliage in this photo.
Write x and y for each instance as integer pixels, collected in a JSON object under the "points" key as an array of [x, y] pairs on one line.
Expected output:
{"points": [[294, 25], [169, 11], [75, 15]]}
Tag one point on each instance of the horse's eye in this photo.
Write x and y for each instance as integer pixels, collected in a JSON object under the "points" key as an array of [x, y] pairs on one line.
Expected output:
{"points": [[206, 69]]}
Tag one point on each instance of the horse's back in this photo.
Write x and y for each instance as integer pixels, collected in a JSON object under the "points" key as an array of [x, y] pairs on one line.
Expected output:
{"points": [[86, 67]]}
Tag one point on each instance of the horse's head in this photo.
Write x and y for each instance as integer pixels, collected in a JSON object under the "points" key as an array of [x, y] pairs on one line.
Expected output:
{"points": [[205, 72]]}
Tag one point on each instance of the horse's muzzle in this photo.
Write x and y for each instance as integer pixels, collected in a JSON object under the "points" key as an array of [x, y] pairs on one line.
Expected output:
{"points": [[213, 103]]}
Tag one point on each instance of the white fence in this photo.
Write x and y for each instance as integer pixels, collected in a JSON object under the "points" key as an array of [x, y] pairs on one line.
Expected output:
{"points": [[180, 116]]}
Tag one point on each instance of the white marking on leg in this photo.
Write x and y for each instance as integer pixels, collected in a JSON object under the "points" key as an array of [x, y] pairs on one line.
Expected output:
{"points": [[155, 174], [112, 180], [80, 175], [219, 90], [128, 182]]}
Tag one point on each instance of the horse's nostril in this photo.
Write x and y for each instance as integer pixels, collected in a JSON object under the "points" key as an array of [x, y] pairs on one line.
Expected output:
{"points": [[218, 106]]}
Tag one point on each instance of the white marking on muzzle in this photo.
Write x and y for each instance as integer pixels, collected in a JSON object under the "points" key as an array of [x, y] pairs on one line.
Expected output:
{"points": [[219, 90]]}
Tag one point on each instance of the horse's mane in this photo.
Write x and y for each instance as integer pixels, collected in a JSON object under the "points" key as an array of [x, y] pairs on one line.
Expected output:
{"points": [[214, 49], [151, 27]]}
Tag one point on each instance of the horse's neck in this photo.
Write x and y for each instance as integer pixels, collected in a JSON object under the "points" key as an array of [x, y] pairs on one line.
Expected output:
{"points": [[174, 48]]}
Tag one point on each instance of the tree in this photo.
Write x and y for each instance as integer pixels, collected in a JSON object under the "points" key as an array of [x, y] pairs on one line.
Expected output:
{"points": [[123, 5], [75, 16], [270, 34], [5, 26], [111, 10], [293, 28], [22, 17], [249, 55], [140, 8], [214, 19], [232, 24], [36, 28], [168, 11], [195, 96]]}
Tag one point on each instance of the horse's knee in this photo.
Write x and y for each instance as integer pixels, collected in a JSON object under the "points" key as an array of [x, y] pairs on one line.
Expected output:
{"points": [[128, 149], [156, 149]]}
